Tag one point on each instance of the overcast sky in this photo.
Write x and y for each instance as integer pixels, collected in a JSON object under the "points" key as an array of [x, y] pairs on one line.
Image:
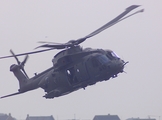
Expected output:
{"points": [[138, 93]]}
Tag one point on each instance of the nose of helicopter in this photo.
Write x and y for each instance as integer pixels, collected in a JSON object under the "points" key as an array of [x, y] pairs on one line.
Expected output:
{"points": [[117, 66]]}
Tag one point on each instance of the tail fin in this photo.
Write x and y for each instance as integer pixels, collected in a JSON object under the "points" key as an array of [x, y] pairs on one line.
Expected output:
{"points": [[22, 78]]}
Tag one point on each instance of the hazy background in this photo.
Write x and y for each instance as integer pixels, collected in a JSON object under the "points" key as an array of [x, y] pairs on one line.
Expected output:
{"points": [[137, 40]]}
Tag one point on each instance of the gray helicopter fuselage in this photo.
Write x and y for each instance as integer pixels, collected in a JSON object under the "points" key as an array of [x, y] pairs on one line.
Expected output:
{"points": [[77, 68], [72, 69]]}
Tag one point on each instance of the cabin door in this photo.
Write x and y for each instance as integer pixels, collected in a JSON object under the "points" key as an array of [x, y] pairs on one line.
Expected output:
{"points": [[78, 73]]}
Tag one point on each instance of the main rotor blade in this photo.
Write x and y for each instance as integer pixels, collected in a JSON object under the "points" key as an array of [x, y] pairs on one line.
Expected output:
{"points": [[27, 53], [52, 46], [11, 95], [59, 46], [112, 22], [46, 42], [107, 25]]}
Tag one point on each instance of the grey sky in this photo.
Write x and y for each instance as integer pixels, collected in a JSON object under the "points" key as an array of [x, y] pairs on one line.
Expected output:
{"points": [[137, 40]]}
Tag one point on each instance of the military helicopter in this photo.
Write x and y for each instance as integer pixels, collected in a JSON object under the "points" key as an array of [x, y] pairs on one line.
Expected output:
{"points": [[73, 67]]}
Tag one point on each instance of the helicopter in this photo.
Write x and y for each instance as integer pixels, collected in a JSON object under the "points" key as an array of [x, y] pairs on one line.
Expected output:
{"points": [[73, 67]]}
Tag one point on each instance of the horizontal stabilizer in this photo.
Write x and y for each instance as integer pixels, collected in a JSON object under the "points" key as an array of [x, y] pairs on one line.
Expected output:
{"points": [[10, 95]]}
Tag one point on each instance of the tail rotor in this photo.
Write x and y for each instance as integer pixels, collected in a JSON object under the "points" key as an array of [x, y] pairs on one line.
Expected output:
{"points": [[21, 64]]}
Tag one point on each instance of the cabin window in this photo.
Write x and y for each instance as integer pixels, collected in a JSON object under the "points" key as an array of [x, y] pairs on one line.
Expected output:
{"points": [[71, 74]]}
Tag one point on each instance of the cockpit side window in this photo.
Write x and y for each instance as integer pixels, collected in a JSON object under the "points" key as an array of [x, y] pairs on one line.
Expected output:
{"points": [[103, 59], [100, 60]]}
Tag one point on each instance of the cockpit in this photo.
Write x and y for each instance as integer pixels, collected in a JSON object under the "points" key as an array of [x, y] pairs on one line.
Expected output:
{"points": [[108, 59]]}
